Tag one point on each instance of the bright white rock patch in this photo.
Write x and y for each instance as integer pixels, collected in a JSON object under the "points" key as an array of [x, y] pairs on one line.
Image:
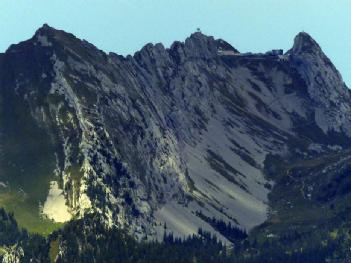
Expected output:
{"points": [[55, 207]]}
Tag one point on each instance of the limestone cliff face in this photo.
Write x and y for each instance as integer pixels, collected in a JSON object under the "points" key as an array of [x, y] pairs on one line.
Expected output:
{"points": [[172, 136]]}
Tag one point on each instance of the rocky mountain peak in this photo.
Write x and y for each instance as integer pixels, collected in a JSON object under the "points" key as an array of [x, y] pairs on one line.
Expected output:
{"points": [[325, 82], [200, 45], [45, 29], [46, 35], [304, 43]]}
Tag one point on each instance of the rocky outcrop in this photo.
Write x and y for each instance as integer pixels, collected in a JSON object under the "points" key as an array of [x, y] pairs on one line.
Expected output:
{"points": [[324, 84]]}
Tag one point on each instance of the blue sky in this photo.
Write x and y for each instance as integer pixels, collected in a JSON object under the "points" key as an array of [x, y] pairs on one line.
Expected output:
{"points": [[124, 26]]}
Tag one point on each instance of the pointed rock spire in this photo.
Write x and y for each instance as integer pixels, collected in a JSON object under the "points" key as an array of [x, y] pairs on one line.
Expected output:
{"points": [[324, 82], [304, 43]]}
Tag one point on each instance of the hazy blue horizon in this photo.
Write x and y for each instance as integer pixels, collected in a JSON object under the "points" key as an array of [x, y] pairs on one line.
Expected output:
{"points": [[125, 26]]}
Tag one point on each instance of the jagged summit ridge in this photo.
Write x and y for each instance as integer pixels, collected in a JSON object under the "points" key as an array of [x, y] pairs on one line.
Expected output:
{"points": [[173, 136], [197, 42]]}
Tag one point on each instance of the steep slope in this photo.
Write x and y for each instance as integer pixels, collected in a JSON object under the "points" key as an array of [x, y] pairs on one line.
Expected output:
{"points": [[165, 140]]}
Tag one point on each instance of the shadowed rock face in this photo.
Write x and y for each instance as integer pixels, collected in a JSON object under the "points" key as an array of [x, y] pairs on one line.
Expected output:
{"points": [[158, 137]]}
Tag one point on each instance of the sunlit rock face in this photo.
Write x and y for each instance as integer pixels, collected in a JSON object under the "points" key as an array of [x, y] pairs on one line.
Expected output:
{"points": [[169, 136]]}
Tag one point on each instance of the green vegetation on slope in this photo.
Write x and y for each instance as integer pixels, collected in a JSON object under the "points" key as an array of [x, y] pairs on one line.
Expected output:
{"points": [[27, 162], [27, 213]]}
